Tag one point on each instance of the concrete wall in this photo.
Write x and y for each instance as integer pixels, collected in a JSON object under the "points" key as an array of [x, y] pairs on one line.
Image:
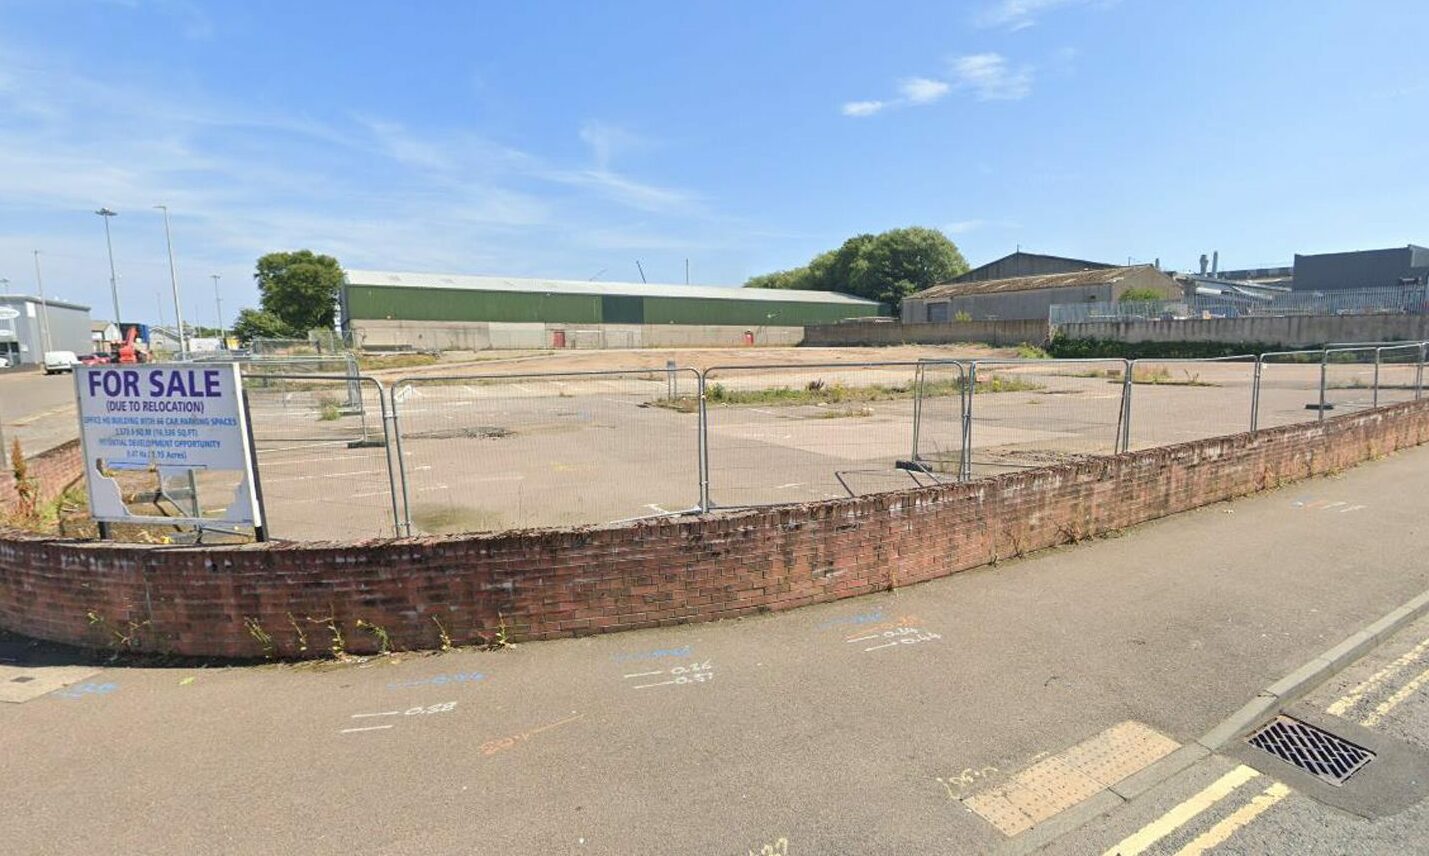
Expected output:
{"points": [[1294, 331], [551, 583], [484, 335], [852, 333]]}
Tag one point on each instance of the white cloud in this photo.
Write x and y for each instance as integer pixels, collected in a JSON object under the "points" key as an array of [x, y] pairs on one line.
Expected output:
{"points": [[990, 77], [962, 227], [862, 108], [1021, 14], [922, 90]]}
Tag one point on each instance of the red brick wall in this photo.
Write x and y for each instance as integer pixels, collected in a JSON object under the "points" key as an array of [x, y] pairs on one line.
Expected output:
{"points": [[52, 471], [553, 583]]}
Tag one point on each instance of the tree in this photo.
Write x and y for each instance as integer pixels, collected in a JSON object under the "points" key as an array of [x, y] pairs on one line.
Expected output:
{"points": [[260, 324], [1140, 294], [300, 289], [886, 267]]}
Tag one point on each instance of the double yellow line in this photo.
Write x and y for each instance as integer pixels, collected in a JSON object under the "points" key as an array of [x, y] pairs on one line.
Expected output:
{"points": [[1212, 794]]}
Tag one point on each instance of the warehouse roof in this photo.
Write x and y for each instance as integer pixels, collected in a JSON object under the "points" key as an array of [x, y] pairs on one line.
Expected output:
{"points": [[1074, 279], [566, 286]]}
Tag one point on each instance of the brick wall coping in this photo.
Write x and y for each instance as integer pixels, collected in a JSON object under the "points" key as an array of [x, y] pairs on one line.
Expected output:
{"points": [[290, 599]]}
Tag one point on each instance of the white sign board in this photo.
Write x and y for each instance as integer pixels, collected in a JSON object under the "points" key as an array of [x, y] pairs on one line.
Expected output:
{"points": [[9, 313], [174, 418]]}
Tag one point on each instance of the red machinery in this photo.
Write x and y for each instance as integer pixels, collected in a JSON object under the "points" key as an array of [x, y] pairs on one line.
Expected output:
{"points": [[127, 352]]}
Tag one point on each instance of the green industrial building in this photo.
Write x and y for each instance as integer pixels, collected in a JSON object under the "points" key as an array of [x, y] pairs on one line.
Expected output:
{"points": [[448, 312]]}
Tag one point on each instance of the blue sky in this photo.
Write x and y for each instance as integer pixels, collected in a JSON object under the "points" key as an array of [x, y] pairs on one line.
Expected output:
{"points": [[570, 139]]}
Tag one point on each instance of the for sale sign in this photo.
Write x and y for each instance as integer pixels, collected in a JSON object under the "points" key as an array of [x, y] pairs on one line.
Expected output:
{"points": [[174, 419]]}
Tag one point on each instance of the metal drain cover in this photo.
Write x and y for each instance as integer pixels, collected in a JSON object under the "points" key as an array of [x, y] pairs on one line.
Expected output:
{"points": [[1316, 751]]}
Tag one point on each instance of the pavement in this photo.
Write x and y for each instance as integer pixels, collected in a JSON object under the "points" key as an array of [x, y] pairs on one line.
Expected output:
{"points": [[939, 718]]}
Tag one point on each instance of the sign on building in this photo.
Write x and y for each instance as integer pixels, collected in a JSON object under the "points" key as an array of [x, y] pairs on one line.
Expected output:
{"points": [[175, 419]]}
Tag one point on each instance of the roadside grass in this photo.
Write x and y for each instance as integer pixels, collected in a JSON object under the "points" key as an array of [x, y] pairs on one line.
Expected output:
{"points": [[819, 393], [1157, 376], [375, 362]]}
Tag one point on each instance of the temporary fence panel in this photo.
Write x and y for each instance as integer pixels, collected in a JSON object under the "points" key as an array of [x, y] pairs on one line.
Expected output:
{"points": [[1398, 377], [940, 420], [487, 452], [1028, 413], [256, 369], [797, 433], [1176, 401], [1350, 378], [1288, 388], [323, 465], [1359, 301]]}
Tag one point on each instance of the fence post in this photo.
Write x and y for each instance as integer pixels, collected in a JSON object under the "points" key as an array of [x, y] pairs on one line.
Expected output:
{"points": [[401, 465], [1255, 396], [704, 445], [389, 419], [917, 408], [1375, 400], [1324, 363], [1125, 439], [1419, 372], [969, 388]]}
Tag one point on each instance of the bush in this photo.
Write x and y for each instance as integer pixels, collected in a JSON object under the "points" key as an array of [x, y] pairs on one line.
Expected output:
{"points": [[1140, 294]]}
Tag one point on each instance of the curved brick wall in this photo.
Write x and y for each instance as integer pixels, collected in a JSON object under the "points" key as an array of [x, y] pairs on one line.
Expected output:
{"points": [[224, 601]]}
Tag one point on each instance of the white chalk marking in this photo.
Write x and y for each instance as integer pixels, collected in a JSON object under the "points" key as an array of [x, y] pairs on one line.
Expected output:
{"points": [[648, 686], [645, 674], [367, 728], [383, 713], [653, 507], [865, 638], [884, 645]]}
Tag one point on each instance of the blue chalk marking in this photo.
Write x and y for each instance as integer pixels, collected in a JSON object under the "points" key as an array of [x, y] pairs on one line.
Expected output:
{"points": [[656, 654], [861, 618], [82, 690], [439, 680]]}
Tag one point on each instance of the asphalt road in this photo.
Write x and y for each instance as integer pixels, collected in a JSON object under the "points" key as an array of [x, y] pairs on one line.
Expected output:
{"points": [[806, 728], [37, 408]]}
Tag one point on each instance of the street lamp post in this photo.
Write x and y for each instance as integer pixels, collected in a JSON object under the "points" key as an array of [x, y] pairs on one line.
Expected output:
{"points": [[218, 302], [106, 213], [44, 308], [174, 283], [5, 284]]}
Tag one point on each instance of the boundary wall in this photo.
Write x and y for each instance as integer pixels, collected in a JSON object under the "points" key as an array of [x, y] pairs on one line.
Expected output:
{"points": [[542, 584], [486, 335], [866, 334], [51, 471], [1284, 331]]}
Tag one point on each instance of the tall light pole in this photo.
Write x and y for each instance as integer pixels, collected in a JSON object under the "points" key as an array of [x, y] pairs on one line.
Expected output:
{"points": [[174, 282], [106, 213], [218, 301], [44, 307], [5, 284]]}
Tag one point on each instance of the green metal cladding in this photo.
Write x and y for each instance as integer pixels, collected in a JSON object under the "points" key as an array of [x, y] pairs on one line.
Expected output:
{"points": [[407, 303]]}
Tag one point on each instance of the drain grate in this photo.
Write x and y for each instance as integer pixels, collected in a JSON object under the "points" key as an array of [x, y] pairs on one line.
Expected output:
{"points": [[1316, 751]]}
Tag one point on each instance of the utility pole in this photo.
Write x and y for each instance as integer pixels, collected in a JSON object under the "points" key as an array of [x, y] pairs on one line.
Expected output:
{"points": [[113, 277], [44, 309], [218, 300], [5, 284], [174, 282]]}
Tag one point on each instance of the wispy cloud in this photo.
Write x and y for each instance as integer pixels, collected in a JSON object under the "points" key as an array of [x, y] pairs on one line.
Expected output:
{"points": [[963, 227], [1021, 14], [990, 77], [922, 90], [859, 109]]}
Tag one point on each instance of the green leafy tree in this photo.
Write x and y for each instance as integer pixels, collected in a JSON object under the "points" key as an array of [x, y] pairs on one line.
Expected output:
{"points": [[260, 324], [886, 267], [1140, 294], [300, 288]]}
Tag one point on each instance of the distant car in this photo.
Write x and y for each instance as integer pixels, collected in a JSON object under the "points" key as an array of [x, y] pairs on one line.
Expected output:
{"points": [[4, 362], [96, 359], [57, 362]]}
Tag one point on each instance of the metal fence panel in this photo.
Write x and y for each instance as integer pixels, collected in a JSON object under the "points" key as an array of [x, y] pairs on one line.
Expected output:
{"points": [[796, 433], [1363, 301], [940, 420], [1350, 377], [323, 464], [1288, 388], [1176, 401], [1398, 374], [1027, 413], [487, 452]]}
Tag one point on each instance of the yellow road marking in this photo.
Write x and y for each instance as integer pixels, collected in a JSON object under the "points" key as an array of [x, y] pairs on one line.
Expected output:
{"points": [[1393, 701], [1236, 821], [1177, 817], [1352, 698]]}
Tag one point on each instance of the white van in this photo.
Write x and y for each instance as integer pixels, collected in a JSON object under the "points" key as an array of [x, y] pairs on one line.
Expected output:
{"points": [[60, 361]]}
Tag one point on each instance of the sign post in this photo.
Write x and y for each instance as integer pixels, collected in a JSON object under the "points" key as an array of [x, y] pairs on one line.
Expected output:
{"points": [[175, 419]]}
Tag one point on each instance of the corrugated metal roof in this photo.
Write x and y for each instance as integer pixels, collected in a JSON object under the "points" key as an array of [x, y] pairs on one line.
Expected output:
{"points": [[565, 286], [1029, 283]]}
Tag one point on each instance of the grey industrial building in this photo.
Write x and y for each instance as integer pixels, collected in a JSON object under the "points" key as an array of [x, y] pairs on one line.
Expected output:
{"points": [[1387, 268], [48, 325], [1026, 298], [1027, 264]]}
